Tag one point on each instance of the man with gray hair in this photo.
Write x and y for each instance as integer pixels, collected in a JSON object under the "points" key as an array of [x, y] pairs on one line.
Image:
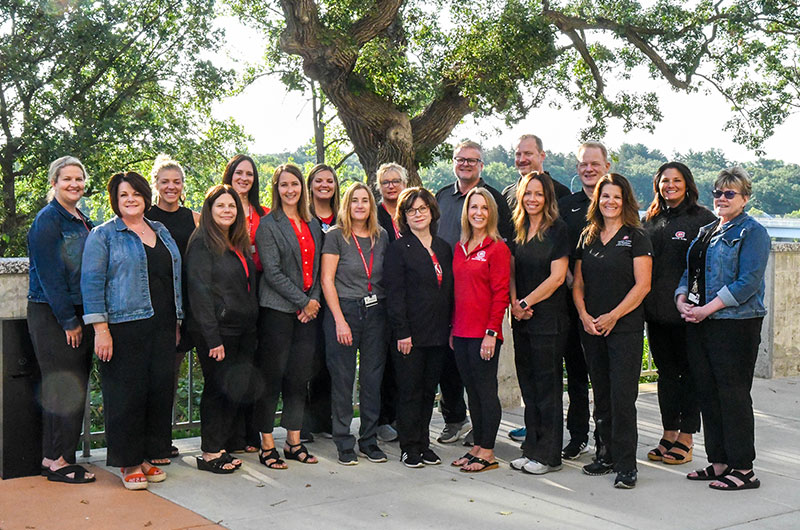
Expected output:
{"points": [[529, 156]]}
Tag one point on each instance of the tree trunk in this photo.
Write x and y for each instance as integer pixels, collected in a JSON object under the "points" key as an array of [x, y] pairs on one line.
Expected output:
{"points": [[10, 223]]}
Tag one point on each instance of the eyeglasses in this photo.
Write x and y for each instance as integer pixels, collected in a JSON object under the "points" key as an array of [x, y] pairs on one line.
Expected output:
{"points": [[390, 183], [729, 194], [422, 210], [466, 161]]}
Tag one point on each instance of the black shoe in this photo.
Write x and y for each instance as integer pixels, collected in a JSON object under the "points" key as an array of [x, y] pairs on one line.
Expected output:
{"points": [[429, 458], [411, 459], [573, 450], [625, 480], [347, 457], [373, 453], [597, 468]]}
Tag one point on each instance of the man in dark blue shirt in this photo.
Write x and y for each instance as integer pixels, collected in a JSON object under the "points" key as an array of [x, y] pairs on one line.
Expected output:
{"points": [[529, 156]]}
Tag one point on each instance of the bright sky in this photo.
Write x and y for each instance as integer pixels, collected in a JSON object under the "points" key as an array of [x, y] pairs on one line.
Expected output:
{"points": [[280, 121]]}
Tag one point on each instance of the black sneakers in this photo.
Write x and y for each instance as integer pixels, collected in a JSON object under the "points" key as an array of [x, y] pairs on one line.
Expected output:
{"points": [[573, 450], [625, 480], [373, 453], [598, 467], [429, 458], [411, 459]]}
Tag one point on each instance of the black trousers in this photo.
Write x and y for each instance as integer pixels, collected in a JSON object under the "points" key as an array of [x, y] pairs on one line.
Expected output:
{"points": [[577, 380], [480, 379], [317, 414], [389, 385], [454, 408], [285, 352], [676, 394], [615, 363], [368, 326], [417, 376], [722, 358], [137, 391], [65, 376], [538, 361], [224, 389]]}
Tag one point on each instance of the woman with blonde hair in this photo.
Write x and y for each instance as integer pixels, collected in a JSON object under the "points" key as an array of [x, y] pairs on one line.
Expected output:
{"points": [[352, 270], [541, 320], [481, 272], [289, 242], [612, 276]]}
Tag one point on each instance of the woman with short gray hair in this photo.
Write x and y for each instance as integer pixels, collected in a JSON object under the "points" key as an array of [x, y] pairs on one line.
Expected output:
{"points": [[721, 296]]}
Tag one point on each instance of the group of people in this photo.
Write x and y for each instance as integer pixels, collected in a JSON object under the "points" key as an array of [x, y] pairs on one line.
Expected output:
{"points": [[290, 303]]}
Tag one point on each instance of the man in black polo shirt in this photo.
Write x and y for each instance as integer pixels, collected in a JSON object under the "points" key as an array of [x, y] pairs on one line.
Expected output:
{"points": [[467, 166], [592, 164], [529, 156]]}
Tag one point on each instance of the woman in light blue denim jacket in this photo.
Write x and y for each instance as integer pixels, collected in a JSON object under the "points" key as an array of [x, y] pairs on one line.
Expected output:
{"points": [[131, 286], [722, 294]]}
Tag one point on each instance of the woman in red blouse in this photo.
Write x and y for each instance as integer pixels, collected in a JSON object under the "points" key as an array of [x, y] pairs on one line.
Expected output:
{"points": [[481, 271], [242, 175], [289, 241]]}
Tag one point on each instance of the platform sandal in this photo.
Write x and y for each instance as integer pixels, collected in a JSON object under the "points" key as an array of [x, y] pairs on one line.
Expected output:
{"points": [[672, 458], [216, 465], [271, 458], [655, 454], [300, 454]]}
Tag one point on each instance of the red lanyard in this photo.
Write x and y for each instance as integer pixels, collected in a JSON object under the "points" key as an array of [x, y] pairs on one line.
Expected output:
{"points": [[397, 234], [244, 264], [368, 270]]}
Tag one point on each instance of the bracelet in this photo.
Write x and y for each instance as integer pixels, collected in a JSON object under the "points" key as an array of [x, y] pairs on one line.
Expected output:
{"points": [[104, 331]]}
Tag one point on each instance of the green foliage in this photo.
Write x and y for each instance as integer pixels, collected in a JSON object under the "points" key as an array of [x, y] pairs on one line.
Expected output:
{"points": [[113, 83]]}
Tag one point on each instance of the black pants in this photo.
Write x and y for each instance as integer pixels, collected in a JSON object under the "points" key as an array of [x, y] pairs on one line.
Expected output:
{"points": [[577, 380], [224, 388], [538, 360], [317, 415], [417, 376], [137, 391], [676, 394], [615, 363], [389, 385], [480, 379], [722, 358], [368, 326], [285, 353], [454, 408], [65, 376]]}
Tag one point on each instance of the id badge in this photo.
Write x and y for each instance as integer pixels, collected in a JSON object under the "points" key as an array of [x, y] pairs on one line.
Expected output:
{"points": [[370, 300], [694, 298]]}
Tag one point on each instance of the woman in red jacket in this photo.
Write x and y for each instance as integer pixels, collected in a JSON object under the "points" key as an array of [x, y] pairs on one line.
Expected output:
{"points": [[481, 271]]}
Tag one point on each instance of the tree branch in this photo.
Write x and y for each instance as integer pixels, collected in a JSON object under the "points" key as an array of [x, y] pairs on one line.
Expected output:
{"points": [[435, 123], [342, 161], [376, 21]]}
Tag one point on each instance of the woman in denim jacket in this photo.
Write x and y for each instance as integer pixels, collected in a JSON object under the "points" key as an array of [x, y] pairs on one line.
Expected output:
{"points": [[721, 294], [60, 342], [131, 285]]}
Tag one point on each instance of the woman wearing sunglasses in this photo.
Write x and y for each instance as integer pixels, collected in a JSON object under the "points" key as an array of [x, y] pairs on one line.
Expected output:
{"points": [[721, 296]]}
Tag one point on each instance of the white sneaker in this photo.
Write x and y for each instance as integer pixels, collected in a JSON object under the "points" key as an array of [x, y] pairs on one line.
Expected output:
{"points": [[519, 463], [537, 468]]}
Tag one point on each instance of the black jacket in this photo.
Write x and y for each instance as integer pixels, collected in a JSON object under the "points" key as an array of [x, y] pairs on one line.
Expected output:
{"points": [[671, 232], [385, 220], [220, 302], [418, 307]]}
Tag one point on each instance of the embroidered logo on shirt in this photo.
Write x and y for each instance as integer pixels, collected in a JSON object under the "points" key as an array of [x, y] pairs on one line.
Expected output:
{"points": [[480, 256], [575, 209], [680, 235], [624, 242]]}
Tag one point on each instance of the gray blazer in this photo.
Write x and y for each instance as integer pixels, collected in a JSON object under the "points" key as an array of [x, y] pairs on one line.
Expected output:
{"points": [[281, 286]]}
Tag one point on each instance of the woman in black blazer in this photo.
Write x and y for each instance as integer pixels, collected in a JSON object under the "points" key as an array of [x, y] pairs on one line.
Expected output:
{"points": [[419, 284], [289, 242]]}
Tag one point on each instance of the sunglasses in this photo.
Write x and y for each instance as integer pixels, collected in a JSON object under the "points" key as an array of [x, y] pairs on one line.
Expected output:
{"points": [[729, 194]]}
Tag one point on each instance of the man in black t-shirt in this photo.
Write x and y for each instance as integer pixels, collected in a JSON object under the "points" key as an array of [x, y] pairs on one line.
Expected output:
{"points": [[592, 164], [529, 156]]}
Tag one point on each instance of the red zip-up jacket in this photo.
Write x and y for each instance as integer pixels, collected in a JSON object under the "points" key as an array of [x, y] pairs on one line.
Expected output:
{"points": [[481, 283]]}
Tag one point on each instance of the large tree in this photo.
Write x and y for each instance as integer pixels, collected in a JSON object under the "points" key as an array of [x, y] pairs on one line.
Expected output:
{"points": [[403, 73], [111, 81]]}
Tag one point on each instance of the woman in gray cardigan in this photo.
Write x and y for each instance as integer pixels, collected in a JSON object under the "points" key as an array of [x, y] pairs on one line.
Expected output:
{"points": [[289, 242]]}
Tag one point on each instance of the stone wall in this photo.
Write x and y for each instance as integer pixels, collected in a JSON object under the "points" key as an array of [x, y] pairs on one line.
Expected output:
{"points": [[13, 287], [780, 348]]}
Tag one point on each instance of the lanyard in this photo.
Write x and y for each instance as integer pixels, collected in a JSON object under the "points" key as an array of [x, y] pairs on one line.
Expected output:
{"points": [[397, 234], [368, 270]]}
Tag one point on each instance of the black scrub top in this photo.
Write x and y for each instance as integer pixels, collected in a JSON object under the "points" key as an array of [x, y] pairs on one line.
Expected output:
{"points": [[608, 275], [532, 261]]}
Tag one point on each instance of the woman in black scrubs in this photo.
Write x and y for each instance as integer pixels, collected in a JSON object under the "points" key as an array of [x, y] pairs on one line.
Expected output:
{"points": [[419, 287], [612, 276], [539, 304], [672, 222]]}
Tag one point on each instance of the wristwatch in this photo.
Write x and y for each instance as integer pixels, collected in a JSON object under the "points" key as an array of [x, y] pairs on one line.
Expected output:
{"points": [[491, 332], [523, 304]]}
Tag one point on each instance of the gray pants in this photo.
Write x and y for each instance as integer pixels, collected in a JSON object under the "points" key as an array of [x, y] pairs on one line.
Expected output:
{"points": [[368, 326]]}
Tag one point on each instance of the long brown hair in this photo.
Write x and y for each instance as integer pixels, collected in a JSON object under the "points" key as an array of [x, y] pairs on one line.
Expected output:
{"points": [[334, 198], [302, 203], [549, 212], [212, 235], [630, 208], [491, 222], [659, 204], [345, 220], [252, 195]]}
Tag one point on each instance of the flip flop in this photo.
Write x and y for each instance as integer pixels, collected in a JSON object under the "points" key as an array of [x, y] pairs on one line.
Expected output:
{"points": [[485, 465], [468, 457], [749, 481], [79, 477], [708, 474]]}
